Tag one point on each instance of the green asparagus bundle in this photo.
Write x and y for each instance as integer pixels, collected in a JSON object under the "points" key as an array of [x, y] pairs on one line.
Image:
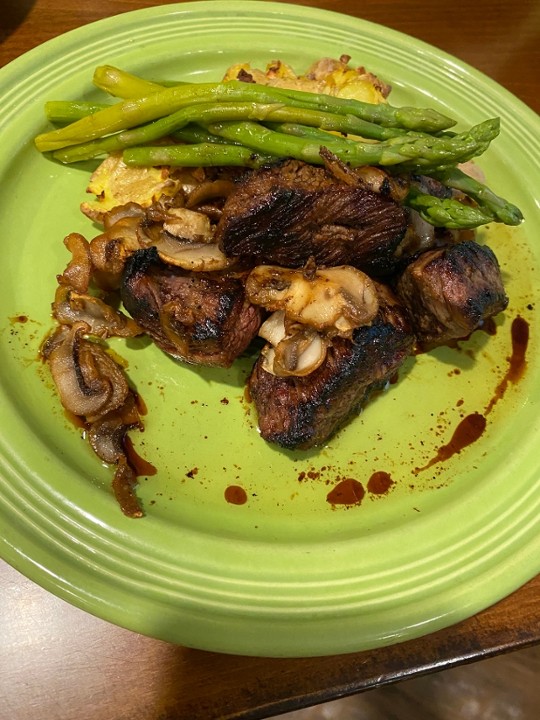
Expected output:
{"points": [[237, 123]]}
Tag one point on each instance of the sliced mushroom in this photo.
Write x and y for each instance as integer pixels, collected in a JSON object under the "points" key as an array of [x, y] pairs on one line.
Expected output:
{"points": [[109, 256], [334, 300], [186, 241], [294, 351], [93, 387], [108, 436], [107, 433], [104, 321], [196, 256], [209, 190], [125, 232], [188, 225], [89, 382], [379, 181], [273, 328], [182, 237], [121, 213], [78, 272], [420, 236]]}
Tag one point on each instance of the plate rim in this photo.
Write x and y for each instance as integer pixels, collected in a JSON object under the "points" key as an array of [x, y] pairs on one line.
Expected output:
{"points": [[10, 551]]}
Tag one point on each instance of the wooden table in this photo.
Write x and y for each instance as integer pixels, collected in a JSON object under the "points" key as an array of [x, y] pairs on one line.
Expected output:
{"points": [[57, 662]]}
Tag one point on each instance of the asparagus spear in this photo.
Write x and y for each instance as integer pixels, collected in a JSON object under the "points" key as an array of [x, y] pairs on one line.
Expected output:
{"points": [[133, 112], [206, 113], [64, 111], [304, 131], [414, 152], [495, 207], [446, 212], [122, 84], [194, 133], [422, 150], [196, 155], [498, 207]]}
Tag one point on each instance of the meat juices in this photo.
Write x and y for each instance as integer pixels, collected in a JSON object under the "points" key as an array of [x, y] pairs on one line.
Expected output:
{"points": [[302, 412], [200, 318]]}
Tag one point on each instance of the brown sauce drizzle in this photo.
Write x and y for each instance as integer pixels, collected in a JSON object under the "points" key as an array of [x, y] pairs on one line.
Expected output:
{"points": [[516, 362], [235, 495], [347, 492], [379, 483], [139, 465], [472, 426], [129, 468], [468, 431]]}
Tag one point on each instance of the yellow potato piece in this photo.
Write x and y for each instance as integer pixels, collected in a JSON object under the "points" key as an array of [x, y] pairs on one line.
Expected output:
{"points": [[113, 183], [329, 76]]}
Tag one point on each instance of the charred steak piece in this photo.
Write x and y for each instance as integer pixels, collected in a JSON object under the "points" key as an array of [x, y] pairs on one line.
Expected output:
{"points": [[288, 213], [196, 317], [302, 412], [450, 291]]}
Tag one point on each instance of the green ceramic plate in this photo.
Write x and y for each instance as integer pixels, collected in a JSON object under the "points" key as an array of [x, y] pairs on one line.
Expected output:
{"points": [[286, 573]]}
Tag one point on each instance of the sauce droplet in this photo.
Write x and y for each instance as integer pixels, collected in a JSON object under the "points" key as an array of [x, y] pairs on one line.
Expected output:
{"points": [[468, 431], [379, 483], [346, 492], [235, 495]]}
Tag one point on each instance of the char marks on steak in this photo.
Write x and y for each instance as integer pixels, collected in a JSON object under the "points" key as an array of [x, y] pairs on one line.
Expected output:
{"points": [[450, 291], [303, 412], [200, 318], [293, 211]]}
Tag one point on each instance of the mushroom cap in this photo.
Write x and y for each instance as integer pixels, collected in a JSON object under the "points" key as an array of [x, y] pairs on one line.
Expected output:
{"points": [[332, 300]]}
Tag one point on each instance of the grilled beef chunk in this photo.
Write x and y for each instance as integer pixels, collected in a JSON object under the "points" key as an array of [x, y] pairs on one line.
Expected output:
{"points": [[291, 212], [302, 412], [196, 317], [450, 291]]}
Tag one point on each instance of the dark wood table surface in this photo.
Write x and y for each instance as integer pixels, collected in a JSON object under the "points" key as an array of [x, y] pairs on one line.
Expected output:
{"points": [[57, 662]]}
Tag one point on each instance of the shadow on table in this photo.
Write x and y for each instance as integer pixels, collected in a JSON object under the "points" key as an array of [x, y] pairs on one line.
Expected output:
{"points": [[13, 13]]}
